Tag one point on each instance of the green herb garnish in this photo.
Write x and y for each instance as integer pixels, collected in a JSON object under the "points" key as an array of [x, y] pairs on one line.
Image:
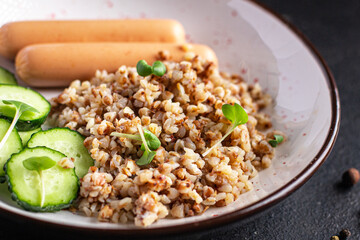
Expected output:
{"points": [[151, 140], [39, 164], [159, 68], [148, 155], [277, 140], [236, 115], [144, 69], [20, 109], [149, 143]]}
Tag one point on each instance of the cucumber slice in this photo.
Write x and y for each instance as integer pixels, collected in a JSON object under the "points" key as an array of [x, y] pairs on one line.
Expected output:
{"points": [[68, 142], [25, 136], [61, 185], [28, 120], [7, 77], [12, 145]]}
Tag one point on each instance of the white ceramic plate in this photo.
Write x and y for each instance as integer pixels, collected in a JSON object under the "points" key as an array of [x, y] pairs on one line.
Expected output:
{"points": [[248, 40]]}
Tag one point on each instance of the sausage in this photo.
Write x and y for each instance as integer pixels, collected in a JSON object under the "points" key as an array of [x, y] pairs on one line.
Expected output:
{"points": [[56, 65], [16, 35]]}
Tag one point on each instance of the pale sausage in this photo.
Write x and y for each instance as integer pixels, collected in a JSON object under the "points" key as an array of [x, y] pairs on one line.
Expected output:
{"points": [[56, 65], [16, 35]]}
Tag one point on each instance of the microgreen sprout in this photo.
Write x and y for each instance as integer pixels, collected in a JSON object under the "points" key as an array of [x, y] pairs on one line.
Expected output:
{"points": [[149, 143], [236, 115], [39, 164], [20, 109], [277, 140], [148, 155], [144, 69]]}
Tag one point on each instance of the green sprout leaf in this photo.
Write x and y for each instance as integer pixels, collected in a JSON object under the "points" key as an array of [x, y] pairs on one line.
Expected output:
{"points": [[39, 164], [152, 141], [144, 69], [159, 68], [277, 140], [149, 143], [236, 115], [146, 158], [20, 107]]}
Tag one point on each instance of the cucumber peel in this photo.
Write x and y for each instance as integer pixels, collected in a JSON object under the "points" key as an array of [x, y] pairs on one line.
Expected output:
{"points": [[13, 145]]}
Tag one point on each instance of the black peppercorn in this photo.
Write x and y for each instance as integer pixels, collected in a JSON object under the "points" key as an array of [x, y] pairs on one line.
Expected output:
{"points": [[345, 234], [351, 177]]}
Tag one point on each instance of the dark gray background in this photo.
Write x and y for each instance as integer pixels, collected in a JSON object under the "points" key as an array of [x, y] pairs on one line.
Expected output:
{"points": [[320, 208]]}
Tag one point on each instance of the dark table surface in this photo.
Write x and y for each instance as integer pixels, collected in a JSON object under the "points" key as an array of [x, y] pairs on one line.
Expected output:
{"points": [[320, 208]]}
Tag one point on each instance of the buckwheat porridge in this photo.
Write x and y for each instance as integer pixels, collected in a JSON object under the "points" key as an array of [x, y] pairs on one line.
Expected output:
{"points": [[183, 109]]}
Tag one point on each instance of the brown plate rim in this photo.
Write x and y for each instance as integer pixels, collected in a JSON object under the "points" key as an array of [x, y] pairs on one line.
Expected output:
{"points": [[259, 205]]}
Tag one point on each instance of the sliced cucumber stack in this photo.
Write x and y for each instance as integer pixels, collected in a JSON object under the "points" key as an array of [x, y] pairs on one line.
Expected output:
{"points": [[13, 145], [7, 77], [28, 120], [68, 142], [26, 135], [60, 186]]}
